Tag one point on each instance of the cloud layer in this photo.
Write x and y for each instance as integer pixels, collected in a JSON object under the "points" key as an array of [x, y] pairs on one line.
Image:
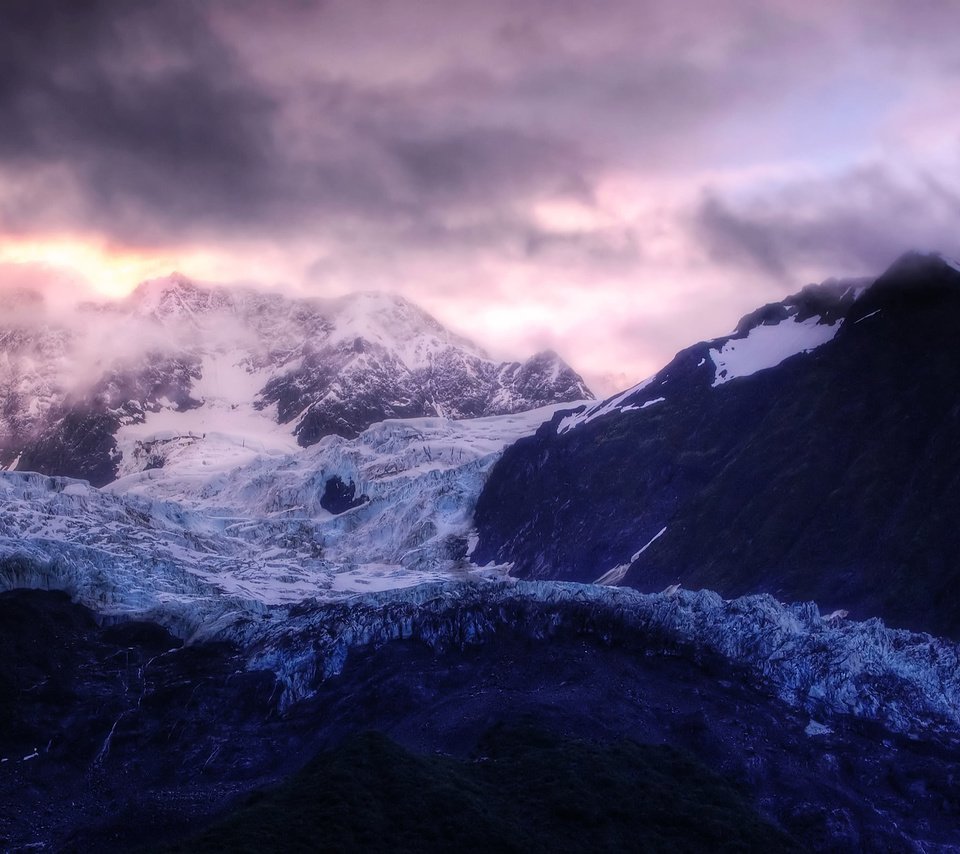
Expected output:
{"points": [[610, 180]]}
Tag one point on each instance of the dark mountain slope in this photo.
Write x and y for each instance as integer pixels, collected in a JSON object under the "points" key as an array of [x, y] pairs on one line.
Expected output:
{"points": [[834, 475], [529, 792]]}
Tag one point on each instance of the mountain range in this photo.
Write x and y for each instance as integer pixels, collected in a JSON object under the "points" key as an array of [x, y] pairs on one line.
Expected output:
{"points": [[303, 520], [78, 394]]}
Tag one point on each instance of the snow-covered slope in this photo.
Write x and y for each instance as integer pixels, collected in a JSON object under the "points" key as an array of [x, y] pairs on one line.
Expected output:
{"points": [[763, 339], [221, 524], [767, 346], [112, 389]]}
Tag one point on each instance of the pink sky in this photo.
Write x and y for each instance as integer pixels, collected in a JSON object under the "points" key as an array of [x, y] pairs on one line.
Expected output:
{"points": [[612, 180]]}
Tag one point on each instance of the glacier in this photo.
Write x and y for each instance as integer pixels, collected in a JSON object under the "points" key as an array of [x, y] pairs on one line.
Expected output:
{"points": [[246, 554], [204, 535], [909, 682]]}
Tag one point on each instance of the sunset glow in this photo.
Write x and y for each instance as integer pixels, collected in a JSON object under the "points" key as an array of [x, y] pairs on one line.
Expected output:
{"points": [[613, 183], [107, 271]]}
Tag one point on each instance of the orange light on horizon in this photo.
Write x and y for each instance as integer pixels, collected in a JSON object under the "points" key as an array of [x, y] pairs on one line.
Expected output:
{"points": [[93, 264], [107, 271]]}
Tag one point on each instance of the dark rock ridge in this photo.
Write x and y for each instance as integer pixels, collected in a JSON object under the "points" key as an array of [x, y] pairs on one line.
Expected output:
{"points": [[319, 367], [115, 735], [832, 476]]}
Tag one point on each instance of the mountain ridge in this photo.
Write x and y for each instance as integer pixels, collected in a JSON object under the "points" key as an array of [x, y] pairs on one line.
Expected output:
{"points": [[826, 475], [254, 601], [288, 371]]}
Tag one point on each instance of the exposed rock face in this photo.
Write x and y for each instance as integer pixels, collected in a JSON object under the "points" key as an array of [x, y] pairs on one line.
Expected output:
{"points": [[811, 455], [339, 497], [79, 396]]}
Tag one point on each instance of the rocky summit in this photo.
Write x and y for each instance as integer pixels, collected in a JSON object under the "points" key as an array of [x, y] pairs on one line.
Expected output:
{"points": [[98, 392]]}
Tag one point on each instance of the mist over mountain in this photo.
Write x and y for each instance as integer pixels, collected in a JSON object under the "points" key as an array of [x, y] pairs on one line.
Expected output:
{"points": [[79, 393]]}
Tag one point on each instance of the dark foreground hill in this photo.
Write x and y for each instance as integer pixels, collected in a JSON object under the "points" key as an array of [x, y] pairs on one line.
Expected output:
{"points": [[119, 738], [522, 791]]}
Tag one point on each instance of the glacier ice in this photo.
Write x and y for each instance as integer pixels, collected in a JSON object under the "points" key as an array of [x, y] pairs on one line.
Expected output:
{"points": [[907, 681], [252, 531], [246, 554]]}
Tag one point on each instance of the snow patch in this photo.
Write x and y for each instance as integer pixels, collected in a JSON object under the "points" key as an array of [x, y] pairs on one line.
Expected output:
{"points": [[655, 537], [867, 316], [950, 262], [766, 346], [613, 577], [815, 728], [223, 433], [597, 410]]}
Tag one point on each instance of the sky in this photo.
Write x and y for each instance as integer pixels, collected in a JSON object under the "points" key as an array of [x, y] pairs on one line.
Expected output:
{"points": [[614, 180]]}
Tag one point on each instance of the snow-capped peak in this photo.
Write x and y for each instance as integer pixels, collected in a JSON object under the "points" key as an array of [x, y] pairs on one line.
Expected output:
{"points": [[393, 322], [175, 297], [181, 359]]}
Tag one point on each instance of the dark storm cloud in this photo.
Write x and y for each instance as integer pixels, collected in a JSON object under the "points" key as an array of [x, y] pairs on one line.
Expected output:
{"points": [[155, 116], [393, 126], [143, 121], [139, 104], [475, 164], [600, 250], [732, 236], [855, 224]]}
